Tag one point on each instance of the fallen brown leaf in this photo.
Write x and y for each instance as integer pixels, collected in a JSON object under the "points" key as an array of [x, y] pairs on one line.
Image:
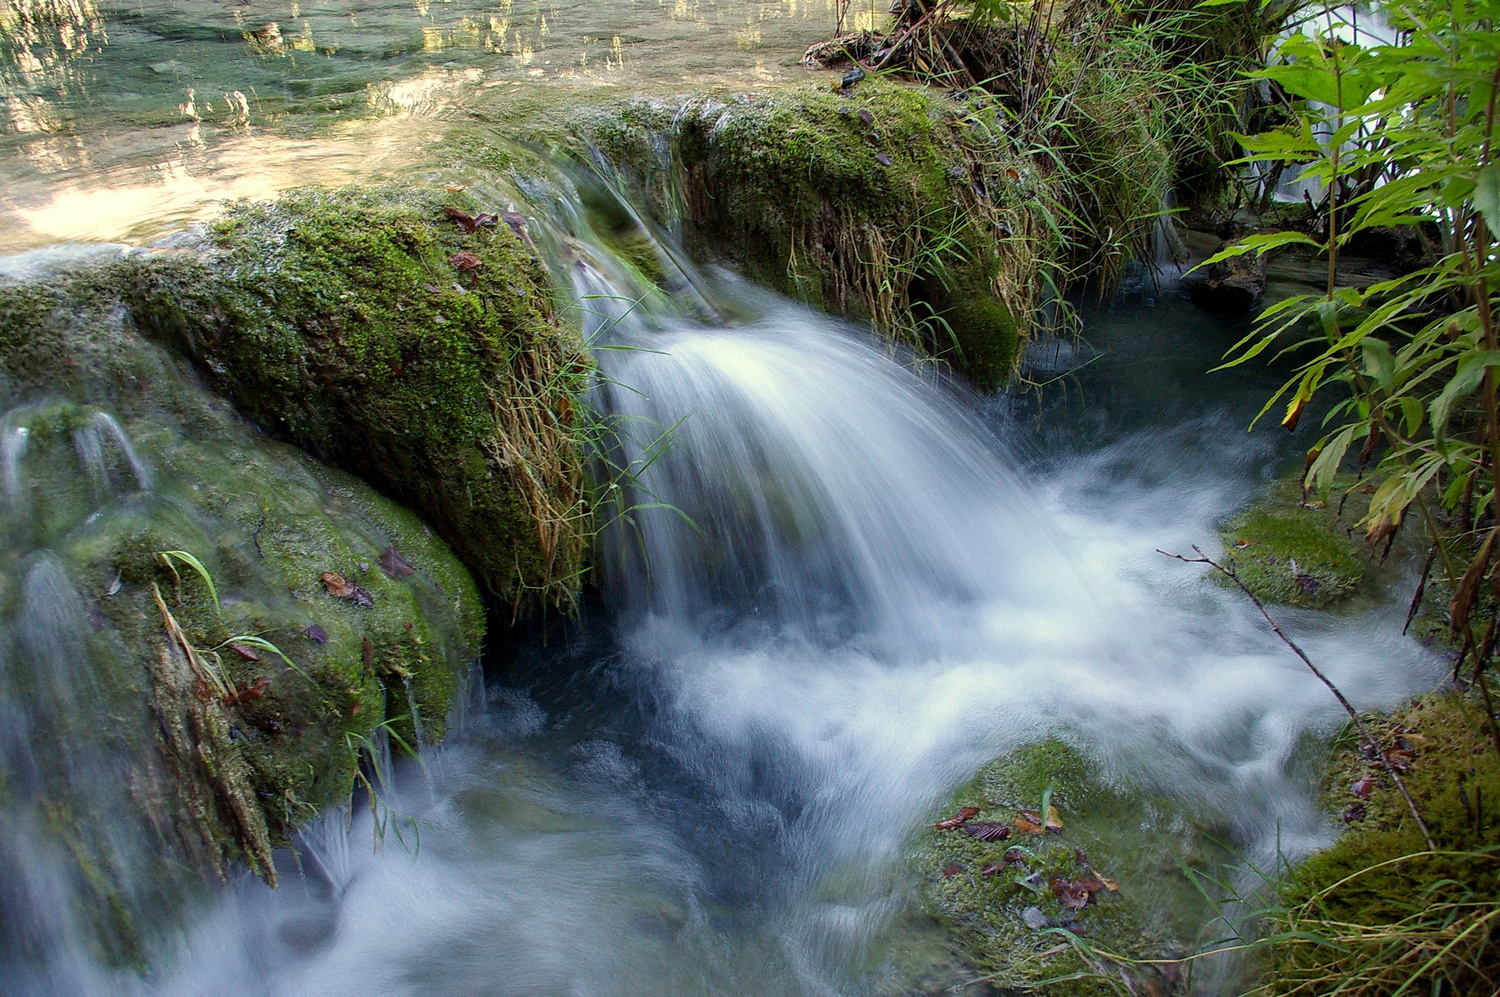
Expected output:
{"points": [[990, 869], [465, 261], [393, 564], [952, 869], [337, 585], [256, 691], [964, 815], [1069, 893], [988, 831], [244, 651], [464, 220]]}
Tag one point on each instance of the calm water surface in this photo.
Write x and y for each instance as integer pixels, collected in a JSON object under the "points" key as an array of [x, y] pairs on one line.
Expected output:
{"points": [[122, 120]]}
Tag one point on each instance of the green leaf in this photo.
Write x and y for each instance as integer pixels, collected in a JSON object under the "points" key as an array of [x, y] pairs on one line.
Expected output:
{"points": [[1379, 363], [1487, 195], [168, 556], [1470, 372], [1326, 466], [1411, 412]]}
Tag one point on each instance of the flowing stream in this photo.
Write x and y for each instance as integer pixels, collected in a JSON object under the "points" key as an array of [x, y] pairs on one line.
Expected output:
{"points": [[846, 586], [836, 586]]}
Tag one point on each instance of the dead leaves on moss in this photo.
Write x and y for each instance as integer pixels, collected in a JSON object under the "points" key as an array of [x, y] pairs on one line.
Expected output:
{"points": [[342, 588], [964, 815], [1031, 822]]}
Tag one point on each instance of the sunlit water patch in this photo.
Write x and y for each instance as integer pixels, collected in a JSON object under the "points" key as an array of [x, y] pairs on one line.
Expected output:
{"points": [[124, 120]]}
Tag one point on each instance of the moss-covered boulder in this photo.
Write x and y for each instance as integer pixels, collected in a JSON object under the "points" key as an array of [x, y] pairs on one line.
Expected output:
{"points": [[890, 203], [185, 675], [1379, 909], [1293, 552], [1036, 892], [416, 348]]}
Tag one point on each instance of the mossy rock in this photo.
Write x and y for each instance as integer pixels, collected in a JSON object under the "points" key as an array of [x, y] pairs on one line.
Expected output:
{"points": [[372, 331], [1381, 871], [1292, 553], [890, 204], [113, 453], [1009, 922]]}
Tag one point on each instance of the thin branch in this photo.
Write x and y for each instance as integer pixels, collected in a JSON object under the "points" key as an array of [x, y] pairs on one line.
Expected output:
{"points": [[1359, 724]]}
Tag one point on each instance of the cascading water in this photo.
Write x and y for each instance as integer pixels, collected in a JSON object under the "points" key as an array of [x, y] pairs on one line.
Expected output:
{"points": [[834, 587]]}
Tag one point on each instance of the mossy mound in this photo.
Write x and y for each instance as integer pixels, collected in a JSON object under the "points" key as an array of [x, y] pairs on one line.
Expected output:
{"points": [[998, 897], [1377, 905], [173, 728], [889, 203], [372, 330], [1292, 553]]}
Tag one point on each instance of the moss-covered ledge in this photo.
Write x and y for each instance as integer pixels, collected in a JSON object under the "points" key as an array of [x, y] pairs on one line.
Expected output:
{"points": [[889, 203], [422, 353], [1294, 552]]}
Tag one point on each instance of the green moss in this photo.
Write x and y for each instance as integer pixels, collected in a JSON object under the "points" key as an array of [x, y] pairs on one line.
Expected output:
{"points": [[888, 204], [1127, 836], [1294, 554], [214, 780], [1380, 871], [346, 323]]}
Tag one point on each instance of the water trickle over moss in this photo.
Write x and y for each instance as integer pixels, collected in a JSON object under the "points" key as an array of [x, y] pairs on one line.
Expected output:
{"points": [[889, 203]]}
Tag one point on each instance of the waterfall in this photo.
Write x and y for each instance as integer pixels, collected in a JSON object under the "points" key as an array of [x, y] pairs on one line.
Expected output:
{"points": [[833, 585]]}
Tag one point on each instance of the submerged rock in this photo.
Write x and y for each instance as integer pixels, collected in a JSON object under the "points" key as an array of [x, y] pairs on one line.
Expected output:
{"points": [[1097, 876], [1235, 286]]}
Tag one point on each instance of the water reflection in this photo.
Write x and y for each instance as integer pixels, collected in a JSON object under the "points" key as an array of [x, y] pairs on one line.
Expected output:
{"points": [[112, 108]]}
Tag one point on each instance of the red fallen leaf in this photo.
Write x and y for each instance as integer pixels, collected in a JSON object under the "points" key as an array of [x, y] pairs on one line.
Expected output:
{"points": [[342, 588], [1013, 173], [1030, 821], [952, 869], [316, 634], [990, 869], [882, 159], [244, 651], [1012, 855], [1070, 894], [988, 832], [1363, 787], [866, 116], [368, 651], [964, 815], [485, 221], [393, 564], [464, 220], [1090, 882], [1354, 814], [256, 691], [465, 261]]}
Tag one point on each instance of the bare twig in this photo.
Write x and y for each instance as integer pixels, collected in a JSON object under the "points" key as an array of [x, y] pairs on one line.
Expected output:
{"points": [[1359, 724]]}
